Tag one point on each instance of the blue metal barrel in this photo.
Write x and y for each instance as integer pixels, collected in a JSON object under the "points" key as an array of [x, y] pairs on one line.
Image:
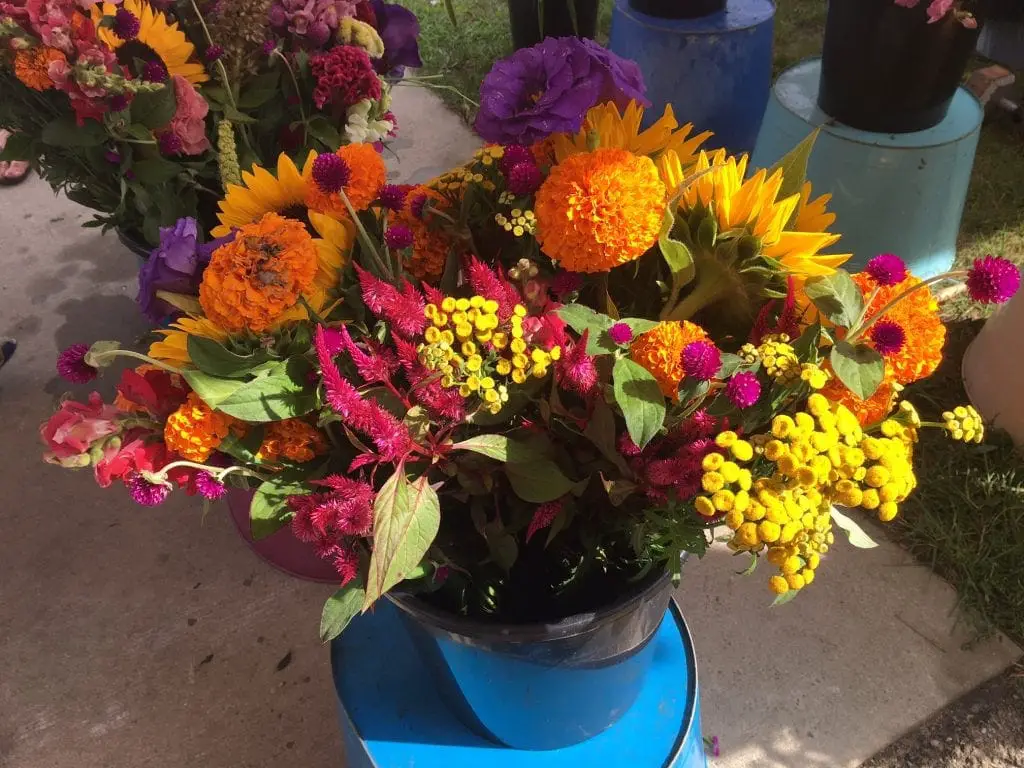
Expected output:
{"points": [[392, 715], [715, 70], [891, 193]]}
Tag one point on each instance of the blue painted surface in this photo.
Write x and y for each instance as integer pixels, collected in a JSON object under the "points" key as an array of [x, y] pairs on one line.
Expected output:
{"points": [[715, 71], [891, 193], [392, 716]]}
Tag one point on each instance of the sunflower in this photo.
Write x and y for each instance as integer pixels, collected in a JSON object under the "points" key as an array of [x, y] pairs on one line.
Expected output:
{"points": [[622, 131], [157, 39], [262, 192]]}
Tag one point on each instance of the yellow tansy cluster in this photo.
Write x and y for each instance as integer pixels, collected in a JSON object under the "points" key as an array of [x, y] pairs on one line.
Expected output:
{"points": [[477, 171], [965, 424], [472, 349], [518, 222], [779, 359], [194, 431]]}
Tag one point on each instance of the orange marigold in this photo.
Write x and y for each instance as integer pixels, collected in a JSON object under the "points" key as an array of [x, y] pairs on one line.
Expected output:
{"points": [[294, 439], [195, 430], [599, 209], [660, 351], [871, 411], [31, 66], [366, 175], [430, 246], [259, 275], [918, 315]]}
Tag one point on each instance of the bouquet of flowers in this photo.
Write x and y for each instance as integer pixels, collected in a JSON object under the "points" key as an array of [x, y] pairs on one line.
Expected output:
{"points": [[148, 111], [546, 374], [940, 9]]}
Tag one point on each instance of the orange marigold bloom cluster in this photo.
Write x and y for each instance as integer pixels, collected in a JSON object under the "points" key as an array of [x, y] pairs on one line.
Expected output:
{"points": [[293, 439], [31, 66], [660, 351], [600, 209], [871, 411], [366, 175], [430, 246], [194, 431], [259, 275], [918, 315]]}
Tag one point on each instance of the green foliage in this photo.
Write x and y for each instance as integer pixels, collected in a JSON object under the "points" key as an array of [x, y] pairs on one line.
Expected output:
{"points": [[269, 511], [406, 517], [837, 297], [638, 395], [154, 109], [340, 609], [65, 132], [211, 357], [794, 166], [281, 392], [859, 367]]}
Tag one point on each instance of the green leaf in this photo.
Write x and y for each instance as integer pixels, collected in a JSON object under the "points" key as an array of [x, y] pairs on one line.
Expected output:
{"points": [[638, 325], [859, 367], [260, 90], [678, 257], [138, 131], [282, 394], [707, 233], [600, 430], [449, 8], [211, 357], [187, 304], [155, 170], [582, 318], [853, 531], [406, 516], [243, 448], [640, 398], [65, 132], [18, 147], [501, 544], [499, 447], [618, 490], [785, 597], [154, 109], [538, 481], [321, 128], [237, 116], [837, 297], [730, 364], [807, 346], [794, 167], [340, 609], [269, 511]]}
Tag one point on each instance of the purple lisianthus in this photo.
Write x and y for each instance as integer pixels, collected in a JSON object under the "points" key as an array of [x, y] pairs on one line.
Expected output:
{"points": [[399, 29], [176, 266], [549, 87]]}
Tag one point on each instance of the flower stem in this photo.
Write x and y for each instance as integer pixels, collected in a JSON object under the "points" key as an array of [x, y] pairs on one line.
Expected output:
{"points": [[218, 473], [420, 84], [135, 355], [364, 237], [856, 334], [298, 93]]}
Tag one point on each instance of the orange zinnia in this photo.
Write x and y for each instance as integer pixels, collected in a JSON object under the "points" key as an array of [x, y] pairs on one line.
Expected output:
{"points": [[871, 411], [31, 66], [260, 275], [365, 176], [194, 431], [660, 351], [430, 246]]}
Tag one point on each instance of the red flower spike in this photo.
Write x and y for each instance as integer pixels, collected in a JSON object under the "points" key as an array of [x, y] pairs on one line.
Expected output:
{"points": [[491, 285], [543, 516]]}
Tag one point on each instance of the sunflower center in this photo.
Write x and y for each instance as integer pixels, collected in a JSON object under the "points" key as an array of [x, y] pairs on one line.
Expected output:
{"points": [[301, 214]]}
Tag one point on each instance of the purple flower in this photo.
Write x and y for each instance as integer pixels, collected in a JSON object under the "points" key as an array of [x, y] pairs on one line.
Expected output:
{"points": [[417, 204], [71, 365], [888, 337], [126, 24], [214, 52], [313, 21], [155, 72], [565, 283], [993, 280], [146, 493], [112, 156], [887, 269], [743, 389], [548, 89], [330, 173], [118, 102], [513, 155], [524, 178], [621, 333], [399, 29], [176, 266], [169, 143], [210, 488], [398, 236], [392, 197], [701, 360]]}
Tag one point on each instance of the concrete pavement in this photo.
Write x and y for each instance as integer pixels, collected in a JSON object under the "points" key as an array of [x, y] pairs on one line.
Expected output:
{"points": [[134, 637]]}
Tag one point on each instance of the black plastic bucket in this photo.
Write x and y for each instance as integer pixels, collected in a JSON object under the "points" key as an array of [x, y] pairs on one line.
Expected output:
{"points": [[525, 20]]}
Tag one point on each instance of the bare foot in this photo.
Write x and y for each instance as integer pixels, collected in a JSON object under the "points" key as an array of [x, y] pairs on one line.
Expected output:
{"points": [[14, 170]]}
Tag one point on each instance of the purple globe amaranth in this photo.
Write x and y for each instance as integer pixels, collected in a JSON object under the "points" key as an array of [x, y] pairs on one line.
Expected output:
{"points": [[887, 269], [743, 389], [175, 266], [399, 30], [993, 280], [549, 87], [620, 333], [888, 337], [701, 360]]}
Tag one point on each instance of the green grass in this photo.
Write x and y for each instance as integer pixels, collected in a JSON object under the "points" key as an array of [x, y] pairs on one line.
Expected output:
{"points": [[966, 518]]}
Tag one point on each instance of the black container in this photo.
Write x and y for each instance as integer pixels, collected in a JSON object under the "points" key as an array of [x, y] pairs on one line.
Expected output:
{"points": [[525, 20], [135, 243], [885, 69], [678, 9], [541, 686]]}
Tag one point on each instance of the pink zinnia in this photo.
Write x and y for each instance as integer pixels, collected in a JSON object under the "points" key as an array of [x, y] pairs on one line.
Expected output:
{"points": [[701, 360], [743, 389], [993, 280], [71, 365], [887, 269]]}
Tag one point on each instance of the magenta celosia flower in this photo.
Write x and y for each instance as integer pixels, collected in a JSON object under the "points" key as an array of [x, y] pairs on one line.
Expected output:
{"points": [[491, 284], [403, 310], [398, 236], [146, 493], [71, 365], [344, 77], [887, 269], [621, 333], [543, 516], [703, 423], [576, 371], [443, 404], [392, 196], [126, 24], [786, 320], [209, 487], [524, 178], [627, 447], [743, 389], [344, 508], [993, 280], [346, 561], [888, 337], [701, 360], [375, 364], [330, 173]]}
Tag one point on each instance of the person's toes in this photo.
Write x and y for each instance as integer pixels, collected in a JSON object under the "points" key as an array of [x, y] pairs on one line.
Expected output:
{"points": [[4, 166], [14, 170]]}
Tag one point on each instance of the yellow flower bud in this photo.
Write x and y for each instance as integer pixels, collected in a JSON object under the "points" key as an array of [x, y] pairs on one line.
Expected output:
{"points": [[817, 405], [774, 450], [887, 511], [447, 304], [713, 462], [877, 476], [768, 531], [808, 576], [733, 520], [729, 470], [712, 482], [795, 581], [746, 534], [705, 508], [742, 450], [519, 376], [741, 503], [723, 500], [777, 555], [782, 426], [778, 585]]}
